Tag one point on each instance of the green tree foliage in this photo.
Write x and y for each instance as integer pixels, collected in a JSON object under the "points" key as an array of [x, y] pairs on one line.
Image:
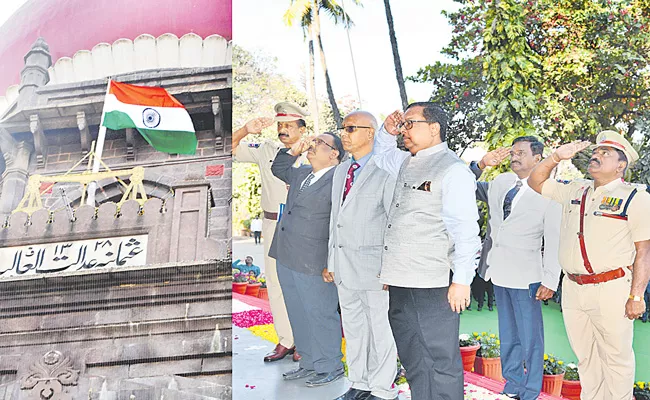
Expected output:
{"points": [[564, 69]]}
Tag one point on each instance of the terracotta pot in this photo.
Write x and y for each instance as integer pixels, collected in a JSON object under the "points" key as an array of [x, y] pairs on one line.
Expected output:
{"points": [[489, 368], [468, 354], [264, 293], [253, 289], [239, 287], [552, 384], [571, 390]]}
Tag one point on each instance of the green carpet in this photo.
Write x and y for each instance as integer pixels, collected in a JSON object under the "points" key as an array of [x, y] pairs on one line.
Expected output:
{"points": [[555, 337]]}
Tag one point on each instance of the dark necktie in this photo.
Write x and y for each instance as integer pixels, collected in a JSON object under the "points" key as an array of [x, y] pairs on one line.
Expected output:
{"points": [[306, 183], [507, 202], [349, 179]]}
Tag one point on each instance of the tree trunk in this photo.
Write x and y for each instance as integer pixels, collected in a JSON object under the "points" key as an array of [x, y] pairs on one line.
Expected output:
{"points": [[396, 59], [313, 99], [328, 84]]}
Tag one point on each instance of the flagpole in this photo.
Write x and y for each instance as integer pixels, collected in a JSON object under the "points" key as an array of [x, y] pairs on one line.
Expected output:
{"points": [[99, 148]]}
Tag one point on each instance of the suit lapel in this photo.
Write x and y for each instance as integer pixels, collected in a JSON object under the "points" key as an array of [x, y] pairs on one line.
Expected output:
{"points": [[338, 185], [366, 171], [322, 181]]}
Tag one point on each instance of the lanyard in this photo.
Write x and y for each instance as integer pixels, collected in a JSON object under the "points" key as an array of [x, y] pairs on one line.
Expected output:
{"points": [[581, 234]]}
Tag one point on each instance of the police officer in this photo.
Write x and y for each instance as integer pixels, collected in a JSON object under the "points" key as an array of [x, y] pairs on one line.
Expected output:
{"points": [[291, 126], [605, 254]]}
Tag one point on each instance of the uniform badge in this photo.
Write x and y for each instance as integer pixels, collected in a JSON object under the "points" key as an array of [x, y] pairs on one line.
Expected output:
{"points": [[254, 145], [564, 182], [611, 204]]}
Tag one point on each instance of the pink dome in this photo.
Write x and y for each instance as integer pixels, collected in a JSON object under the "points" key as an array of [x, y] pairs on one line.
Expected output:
{"points": [[71, 25]]}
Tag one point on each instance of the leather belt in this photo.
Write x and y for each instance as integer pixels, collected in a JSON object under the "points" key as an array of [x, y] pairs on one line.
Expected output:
{"points": [[270, 215], [591, 279]]}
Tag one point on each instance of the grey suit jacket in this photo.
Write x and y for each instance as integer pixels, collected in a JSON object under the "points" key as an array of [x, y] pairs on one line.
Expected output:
{"points": [[481, 195], [357, 226], [300, 240], [515, 259]]}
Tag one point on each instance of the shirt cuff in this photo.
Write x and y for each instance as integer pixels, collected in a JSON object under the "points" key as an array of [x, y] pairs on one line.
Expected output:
{"points": [[463, 276]]}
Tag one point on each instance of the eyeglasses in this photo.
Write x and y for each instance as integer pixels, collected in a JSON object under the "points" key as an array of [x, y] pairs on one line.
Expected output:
{"points": [[318, 141], [408, 124], [351, 128]]}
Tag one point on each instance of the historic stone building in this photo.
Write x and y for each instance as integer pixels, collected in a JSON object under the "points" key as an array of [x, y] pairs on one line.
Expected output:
{"points": [[128, 298]]}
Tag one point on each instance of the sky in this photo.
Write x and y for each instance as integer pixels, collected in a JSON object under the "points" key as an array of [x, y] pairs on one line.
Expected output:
{"points": [[421, 33], [8, 7]]}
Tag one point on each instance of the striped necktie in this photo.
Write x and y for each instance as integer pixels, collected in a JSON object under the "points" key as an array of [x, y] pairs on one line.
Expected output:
{"points": [[510, 196], [306, 183]]}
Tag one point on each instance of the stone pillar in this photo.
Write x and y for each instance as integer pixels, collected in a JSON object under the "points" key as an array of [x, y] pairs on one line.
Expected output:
{"points": [[35, 73], [15, 177]]}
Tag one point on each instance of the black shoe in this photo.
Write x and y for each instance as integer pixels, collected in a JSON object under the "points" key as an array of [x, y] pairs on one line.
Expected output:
{"points": [[511, 396], [325, 378], [298, 373], [354, 394], [490, 308], [479, 308]]}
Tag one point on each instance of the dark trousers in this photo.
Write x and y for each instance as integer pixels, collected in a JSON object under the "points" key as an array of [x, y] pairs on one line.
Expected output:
{"points": [[480, 287], [521, 331], [426, 333], [258, 237], [316, 324]]}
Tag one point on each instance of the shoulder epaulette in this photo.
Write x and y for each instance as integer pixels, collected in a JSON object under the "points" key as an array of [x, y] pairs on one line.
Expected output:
{"points": [[564, 181], [254, 145]]}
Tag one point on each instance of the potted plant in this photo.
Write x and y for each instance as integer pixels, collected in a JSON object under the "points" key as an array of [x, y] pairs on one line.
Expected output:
{"points": [[469, 345], [239, 282], [253, 288], [488, 356], [553, 375], [642, 390], [571, 388], [264, 291], [246, 227]]}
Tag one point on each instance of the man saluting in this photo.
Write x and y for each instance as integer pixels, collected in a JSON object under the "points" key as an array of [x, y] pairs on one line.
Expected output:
{"points": [[605, 254]]}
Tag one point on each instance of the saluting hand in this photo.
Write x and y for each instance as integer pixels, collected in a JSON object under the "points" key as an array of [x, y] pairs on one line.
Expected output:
{"points": [[569, 150], [328, 277], [256, 125], [494, 157], [301, 146], [458, 296], [393, 121]]}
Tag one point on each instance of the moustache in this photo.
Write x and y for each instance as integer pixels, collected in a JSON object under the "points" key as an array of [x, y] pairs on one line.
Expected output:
{"points": [[281, 135], [515, 162], [594, 160]]}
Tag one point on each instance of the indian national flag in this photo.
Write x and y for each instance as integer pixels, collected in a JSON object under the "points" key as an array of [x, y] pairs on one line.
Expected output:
{"points": [[160, 118]]}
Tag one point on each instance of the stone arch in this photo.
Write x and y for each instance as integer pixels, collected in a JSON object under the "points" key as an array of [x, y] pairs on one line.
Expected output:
{"points": [[111, 191]]}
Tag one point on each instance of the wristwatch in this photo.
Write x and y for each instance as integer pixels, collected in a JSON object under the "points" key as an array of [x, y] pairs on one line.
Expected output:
{"points": [[635, 298]]}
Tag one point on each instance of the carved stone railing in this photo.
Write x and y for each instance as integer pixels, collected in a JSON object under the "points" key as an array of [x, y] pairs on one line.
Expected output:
{"points": [[143, 53]]}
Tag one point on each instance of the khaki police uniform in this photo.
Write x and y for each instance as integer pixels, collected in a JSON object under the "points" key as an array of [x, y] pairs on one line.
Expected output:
{"points": [[615, 217], [274, 192]]}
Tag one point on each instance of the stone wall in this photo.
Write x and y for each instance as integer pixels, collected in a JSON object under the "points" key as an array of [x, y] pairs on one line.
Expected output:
{"points": [[141, 332]]}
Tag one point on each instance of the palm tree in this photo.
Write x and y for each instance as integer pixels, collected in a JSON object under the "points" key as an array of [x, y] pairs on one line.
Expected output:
{"points": [[309, 12], [396, 59]]}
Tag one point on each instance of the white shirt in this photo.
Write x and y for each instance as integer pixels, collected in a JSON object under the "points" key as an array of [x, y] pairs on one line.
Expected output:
{"points": [[522, 189], [459, 211], [256, 225], [317, 176]]}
